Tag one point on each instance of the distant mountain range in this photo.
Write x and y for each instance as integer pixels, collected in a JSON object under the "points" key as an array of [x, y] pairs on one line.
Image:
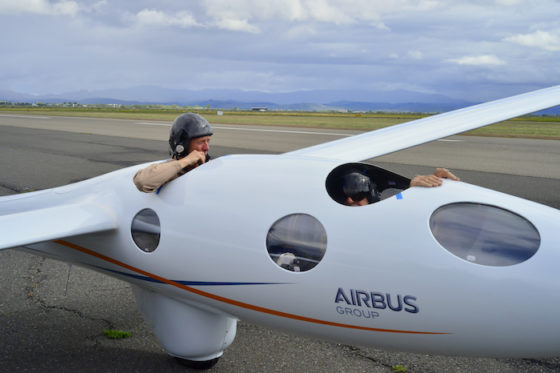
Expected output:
{"points": [[311, 100]]}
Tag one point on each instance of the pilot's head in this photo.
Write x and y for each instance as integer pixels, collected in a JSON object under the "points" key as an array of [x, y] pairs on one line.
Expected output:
{"points": [[358, 189], [189, 132]]}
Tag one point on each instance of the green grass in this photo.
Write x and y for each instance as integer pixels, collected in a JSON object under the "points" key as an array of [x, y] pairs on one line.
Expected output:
{"points": [[116, 334], [399, 368], [527, 127]]}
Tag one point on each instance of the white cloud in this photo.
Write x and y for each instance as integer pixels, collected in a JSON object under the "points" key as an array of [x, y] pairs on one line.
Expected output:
{"points": [[509, 2], [301, 44], [381, 26], [98, 6], [328, 11], [481, 60], [337, 12], [417, 55], [63, 7], [236, 25], [538, 39], [150, 17], [252, 16], [301, 31]]}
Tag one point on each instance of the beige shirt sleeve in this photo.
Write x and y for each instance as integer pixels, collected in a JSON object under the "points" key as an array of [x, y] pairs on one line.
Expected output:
{"points": [[149, 179]]}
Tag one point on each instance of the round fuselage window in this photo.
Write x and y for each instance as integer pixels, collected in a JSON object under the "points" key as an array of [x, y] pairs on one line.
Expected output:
{"points": [[484, 234], [296, 242], [145, 229]]}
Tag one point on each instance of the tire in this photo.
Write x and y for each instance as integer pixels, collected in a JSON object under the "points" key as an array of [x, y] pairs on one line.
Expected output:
{"points": [[196, 364]]}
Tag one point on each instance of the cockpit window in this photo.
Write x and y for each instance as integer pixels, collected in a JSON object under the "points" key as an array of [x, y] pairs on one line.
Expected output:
{"points": [[296, 242], [484, 234], [145, 230], [352, 183]]}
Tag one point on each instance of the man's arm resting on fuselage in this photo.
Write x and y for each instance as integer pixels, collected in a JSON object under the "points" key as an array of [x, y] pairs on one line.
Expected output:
{"points": [[149, 179]]}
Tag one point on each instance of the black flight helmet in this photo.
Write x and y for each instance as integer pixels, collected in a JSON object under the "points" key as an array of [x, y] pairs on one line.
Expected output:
{"points": [[186, 127], [359, 186]]}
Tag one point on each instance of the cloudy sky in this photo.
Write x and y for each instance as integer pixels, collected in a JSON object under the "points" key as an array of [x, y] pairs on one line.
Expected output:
{"points": [[472, 50]]}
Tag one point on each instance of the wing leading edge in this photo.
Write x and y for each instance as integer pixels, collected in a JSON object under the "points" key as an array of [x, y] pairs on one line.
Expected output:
{"points": [[405, 135], [28, 227]]}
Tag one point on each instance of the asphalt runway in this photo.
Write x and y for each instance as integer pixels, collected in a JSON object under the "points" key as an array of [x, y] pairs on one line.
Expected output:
{"points": [[52, 316]]}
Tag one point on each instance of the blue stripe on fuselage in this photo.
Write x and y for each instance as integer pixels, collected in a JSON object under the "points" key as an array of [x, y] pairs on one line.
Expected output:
{"points": [[191, 283]]}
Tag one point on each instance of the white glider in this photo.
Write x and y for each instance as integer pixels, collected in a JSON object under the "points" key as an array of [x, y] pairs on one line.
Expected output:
{"points": [[457, 270]]}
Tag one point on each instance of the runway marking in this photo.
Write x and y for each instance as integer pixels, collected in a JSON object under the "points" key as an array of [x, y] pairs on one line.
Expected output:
{"points": [[154, 124], [283, 131], [23, 116], [259, 130], [234, 302], [449, 140]]}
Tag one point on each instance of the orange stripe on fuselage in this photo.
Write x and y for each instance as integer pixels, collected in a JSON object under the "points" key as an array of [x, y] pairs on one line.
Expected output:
{"points": [[233, 301]]}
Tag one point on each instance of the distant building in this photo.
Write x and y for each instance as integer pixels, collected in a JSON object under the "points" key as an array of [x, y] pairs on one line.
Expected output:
{"points": [[259, 109]]}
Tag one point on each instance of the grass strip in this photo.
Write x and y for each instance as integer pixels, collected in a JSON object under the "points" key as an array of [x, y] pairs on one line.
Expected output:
{"points": [[545, 127]]}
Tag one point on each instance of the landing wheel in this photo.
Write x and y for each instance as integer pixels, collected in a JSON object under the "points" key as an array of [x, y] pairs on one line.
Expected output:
{"points": [[196, 364]]}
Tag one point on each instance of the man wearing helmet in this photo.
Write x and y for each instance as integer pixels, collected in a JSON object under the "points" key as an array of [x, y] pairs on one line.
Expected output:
{"points": [[360, 190], [189, 142]]}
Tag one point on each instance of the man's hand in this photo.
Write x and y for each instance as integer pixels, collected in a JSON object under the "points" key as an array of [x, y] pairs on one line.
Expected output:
{"points": [[194, 159], [433, 180], [445, 173]]}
